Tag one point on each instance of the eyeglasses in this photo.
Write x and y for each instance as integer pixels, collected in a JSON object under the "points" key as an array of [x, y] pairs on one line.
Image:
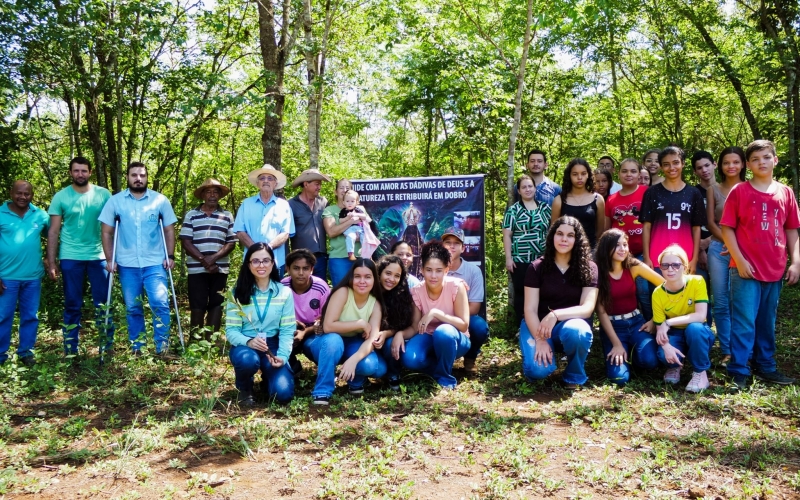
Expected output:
{"points": [[267, 178], [260, 262], [675, 265]]}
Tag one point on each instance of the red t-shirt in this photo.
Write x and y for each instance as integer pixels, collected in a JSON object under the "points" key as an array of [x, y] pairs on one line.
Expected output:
{"points": [[624, 214], [760, 221]]}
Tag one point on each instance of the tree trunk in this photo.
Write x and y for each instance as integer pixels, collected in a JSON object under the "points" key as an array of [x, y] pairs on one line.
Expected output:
{"points": [[512, 141]]}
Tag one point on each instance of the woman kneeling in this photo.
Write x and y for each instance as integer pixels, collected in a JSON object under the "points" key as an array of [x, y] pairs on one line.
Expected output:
{"points": [[560, 296], [260, 326]]}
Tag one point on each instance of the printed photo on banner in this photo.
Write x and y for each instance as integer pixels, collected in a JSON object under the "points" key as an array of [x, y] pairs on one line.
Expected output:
{"points": [[417, 210]]}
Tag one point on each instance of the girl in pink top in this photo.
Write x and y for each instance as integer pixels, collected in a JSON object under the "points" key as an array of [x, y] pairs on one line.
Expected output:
{"points": [[439, 331]]}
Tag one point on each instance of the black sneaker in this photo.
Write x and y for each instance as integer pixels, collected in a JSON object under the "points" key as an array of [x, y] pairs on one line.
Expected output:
{"points": [[740, 382], [356, 391], [322, 400], [245, 398], [28, 361], [775, 377], [394, 384]]}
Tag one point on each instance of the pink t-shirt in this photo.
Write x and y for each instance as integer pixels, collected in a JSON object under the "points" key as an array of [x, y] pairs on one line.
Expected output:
{"points": [[760, 221], [308, 305], [624, 214], [445, 303]]}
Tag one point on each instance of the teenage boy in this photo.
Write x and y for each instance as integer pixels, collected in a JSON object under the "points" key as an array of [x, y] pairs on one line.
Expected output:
{"points": [[704, 166], [546, 190], [607, 163], [453, 241], [672, 212], [759, 226], [310, 295], [622, 212], [81, 256]]}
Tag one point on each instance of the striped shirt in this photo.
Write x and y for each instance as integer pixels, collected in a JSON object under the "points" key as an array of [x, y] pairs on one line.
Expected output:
{"points": [[242, 323], [208, 233]]}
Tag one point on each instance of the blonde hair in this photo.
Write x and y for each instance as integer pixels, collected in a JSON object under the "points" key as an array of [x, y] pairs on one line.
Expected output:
{"points": [[677, 251], [349, 191]]}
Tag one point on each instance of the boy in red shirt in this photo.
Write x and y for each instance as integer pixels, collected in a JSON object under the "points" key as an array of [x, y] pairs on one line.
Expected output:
{"points": [[759, 225]]}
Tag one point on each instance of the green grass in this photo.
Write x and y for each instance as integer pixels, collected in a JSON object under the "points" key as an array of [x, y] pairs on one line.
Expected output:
{"points": [[149, 428]]}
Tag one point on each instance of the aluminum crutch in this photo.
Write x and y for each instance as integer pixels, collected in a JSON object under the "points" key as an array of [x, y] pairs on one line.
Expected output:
{"points": [[110, 288], [171, 281]]}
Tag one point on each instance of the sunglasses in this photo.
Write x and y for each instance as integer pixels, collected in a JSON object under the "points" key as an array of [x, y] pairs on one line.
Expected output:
{"points": [[675, 265]]}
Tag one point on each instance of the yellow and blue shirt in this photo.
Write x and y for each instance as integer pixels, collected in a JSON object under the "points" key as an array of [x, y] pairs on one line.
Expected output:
{"points": [[668, 304]]}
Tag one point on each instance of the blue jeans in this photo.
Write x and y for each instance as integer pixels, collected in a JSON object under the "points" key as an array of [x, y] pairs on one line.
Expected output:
{"points": [[753, 311], [151, 280], [478, 335], [247, 362], [644, 295], [640, 346], [694, 342], [74, 273], [331, 349], [432, 354], [709, 311], [719, 277], [26, 294], [338, 267], [321, 267], [573, 337]]}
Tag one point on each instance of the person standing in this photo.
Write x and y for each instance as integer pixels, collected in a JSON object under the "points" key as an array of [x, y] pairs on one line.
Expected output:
{"points": [[703, 165], [208, 238], [265, 217], [608, 164], [80, 256], [22, 226], [338, 263], [579, 199], [307, 208], [140, 254], [469, 273], [546, 190]]}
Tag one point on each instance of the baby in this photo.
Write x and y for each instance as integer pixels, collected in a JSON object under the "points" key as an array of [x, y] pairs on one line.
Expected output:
{"points": [[356, 231]]}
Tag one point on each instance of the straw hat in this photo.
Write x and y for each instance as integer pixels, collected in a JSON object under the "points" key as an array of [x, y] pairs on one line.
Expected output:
{"points": [[224, 190], [312, 174], [267, 169]]}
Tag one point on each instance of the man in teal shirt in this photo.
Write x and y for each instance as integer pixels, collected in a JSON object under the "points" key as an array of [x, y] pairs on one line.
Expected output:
{"points": [[22, 226], [81, 253], [140, 254]]}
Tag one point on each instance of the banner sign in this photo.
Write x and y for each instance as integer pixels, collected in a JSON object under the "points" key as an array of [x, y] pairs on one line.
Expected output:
{"points": [[417, 210]]}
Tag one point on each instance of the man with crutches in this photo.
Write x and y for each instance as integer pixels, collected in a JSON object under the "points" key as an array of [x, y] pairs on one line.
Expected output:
{"points": [[73, 216], [143, 254]]}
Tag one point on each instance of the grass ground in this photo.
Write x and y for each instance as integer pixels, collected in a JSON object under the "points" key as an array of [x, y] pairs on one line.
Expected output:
{"points": [[147, 428]]}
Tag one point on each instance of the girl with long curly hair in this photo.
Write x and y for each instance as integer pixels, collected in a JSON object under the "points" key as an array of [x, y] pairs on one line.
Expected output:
{"points": [[560, 297], [392, 278]]}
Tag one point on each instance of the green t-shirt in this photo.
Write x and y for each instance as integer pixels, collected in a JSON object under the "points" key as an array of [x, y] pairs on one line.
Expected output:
{"points": [[338, 250], [80, 232], [21, 243]]}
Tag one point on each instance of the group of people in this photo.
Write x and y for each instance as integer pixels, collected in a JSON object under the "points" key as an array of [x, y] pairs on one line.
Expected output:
{"points": [[271, 318], [648, 258]]}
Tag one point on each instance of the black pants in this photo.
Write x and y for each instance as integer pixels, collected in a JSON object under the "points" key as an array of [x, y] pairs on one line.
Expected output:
{"points": [[205, 290], [518, 279]]}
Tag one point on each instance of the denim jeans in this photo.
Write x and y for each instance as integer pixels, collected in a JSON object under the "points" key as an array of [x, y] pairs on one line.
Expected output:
{"points": [[640, 346], [478, 335], [338, 267], [753, 324], [74, 273], [321, 267], [432, 354], [573, 337], [26, 294], [247, 362], [151, 280], [710, 310], [719, 277], [694, 342], [331, 349], [644, 294]]}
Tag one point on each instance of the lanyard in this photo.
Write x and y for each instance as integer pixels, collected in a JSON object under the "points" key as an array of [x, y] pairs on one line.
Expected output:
{"points": [[262, 315]]}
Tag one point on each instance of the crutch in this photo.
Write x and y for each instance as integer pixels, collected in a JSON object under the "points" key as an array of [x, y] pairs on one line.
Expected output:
{"points": [[171, 282], [110, 287]]}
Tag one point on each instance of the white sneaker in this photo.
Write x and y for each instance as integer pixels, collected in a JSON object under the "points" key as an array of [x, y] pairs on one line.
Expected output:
{"points": [[673, 376], [698, 383]]}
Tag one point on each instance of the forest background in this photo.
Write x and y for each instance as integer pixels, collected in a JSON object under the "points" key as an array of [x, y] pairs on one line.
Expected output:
{"points": [[382, 88]]}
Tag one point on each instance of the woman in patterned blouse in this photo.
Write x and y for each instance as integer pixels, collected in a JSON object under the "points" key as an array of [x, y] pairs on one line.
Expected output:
{"points": [[524, 233]]}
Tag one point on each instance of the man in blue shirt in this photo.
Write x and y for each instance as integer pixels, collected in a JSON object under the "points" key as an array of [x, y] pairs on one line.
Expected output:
{"points": [[140, 254], [546, 190], [22, 226], [264, 217]]}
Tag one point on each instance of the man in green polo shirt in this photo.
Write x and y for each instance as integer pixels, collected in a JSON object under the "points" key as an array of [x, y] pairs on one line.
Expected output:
{"points": [[77, 206], [22, 226]]}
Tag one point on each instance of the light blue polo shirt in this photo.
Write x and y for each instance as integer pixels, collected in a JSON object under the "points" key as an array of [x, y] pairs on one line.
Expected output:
{"points": [[139, 243], [265, 221], [21, 243]]}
